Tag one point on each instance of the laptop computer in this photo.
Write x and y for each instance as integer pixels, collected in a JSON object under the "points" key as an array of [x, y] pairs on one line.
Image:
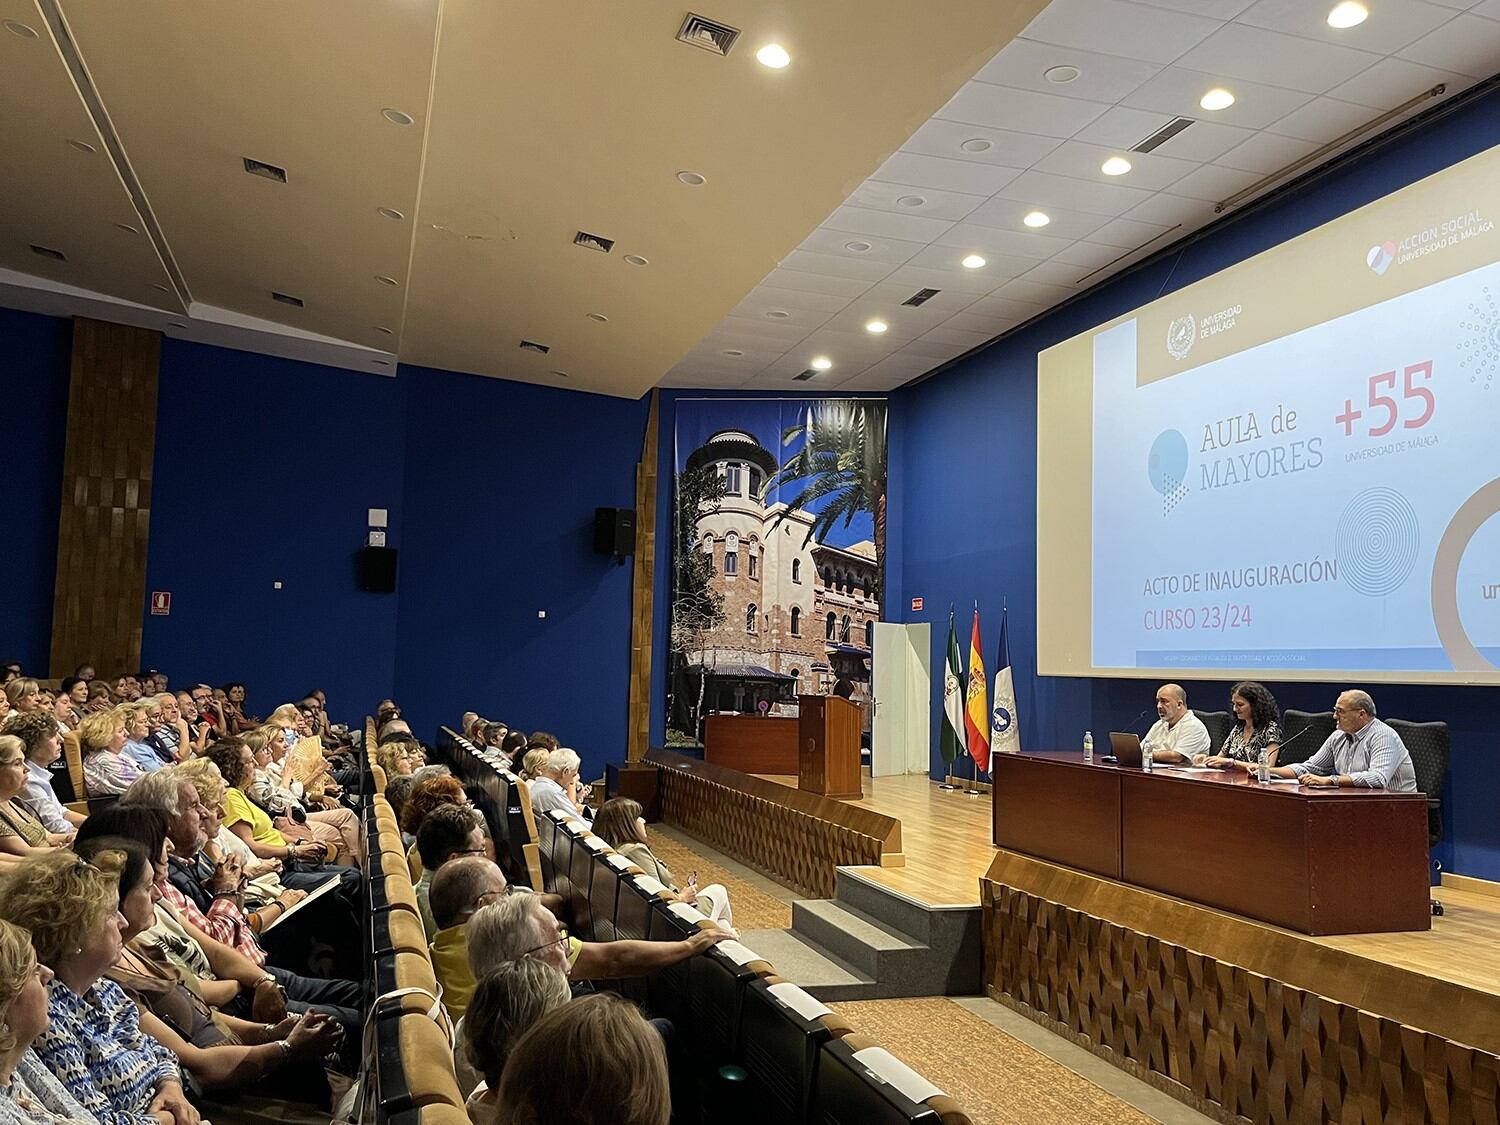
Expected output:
{"points": [[1125, 748]]}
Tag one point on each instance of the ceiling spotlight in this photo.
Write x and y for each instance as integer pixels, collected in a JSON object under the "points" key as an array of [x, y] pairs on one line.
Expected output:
{"points": [[977, 144], [1061, 74], [693, 179], [384, 331], [1216, 99], [912, 201], [973, 262], [127, 228], [562, 374], [876, 327], [397, 117], [380, 277], [733, 353], [599, 318], [636, 260], [382, 363], [16, 27], [821, 363], [82, 146], [1037, 219], [1115, 166], [1350, 13], [163, 288], [389, 213], [777, 314], [858, 247], [176, 324], [773, 55]]}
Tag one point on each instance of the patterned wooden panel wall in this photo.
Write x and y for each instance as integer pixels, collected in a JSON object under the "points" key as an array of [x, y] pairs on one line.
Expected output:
{"points": [[105, 519], [1233, 1043], [798, 847], [642, 590]]}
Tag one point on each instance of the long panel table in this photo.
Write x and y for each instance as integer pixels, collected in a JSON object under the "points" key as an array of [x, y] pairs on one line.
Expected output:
{"points": [[1319, 861]]}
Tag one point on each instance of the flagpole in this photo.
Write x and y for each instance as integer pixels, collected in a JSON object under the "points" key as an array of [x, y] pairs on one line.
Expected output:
{"points": [[947, 782], [973, 789]]}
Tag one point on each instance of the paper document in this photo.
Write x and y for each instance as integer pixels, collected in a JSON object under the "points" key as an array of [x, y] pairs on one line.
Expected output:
{"points": [[686, 912], [312, 896], [807, 1006], [891, 1070], [594, 844], [649, 885], [618, 862], [738, 953]]}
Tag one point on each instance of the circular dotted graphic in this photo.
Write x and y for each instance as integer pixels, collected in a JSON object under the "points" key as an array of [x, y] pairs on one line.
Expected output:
{"points": [[1167, 466], [1479, 354], [1376, 541]]}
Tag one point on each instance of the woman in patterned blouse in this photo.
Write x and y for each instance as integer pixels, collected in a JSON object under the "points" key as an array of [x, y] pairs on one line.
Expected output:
{"points": [[29, 1095], [1257, 727], [107, 769], [93, 1043]]}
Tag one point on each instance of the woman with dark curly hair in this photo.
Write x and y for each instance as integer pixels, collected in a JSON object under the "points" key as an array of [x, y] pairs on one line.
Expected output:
{"points": [[1257, 727]]}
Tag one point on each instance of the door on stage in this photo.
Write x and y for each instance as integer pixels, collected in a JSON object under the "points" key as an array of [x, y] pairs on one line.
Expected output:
{"points": [[900, 730]]}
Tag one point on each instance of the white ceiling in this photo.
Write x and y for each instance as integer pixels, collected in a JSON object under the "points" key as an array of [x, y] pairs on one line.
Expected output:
{"points": [[1299, 85], [126, 124]]}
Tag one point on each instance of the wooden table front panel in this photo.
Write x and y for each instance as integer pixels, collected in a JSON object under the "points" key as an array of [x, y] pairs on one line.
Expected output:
{"points": [[1058, 809], [751, 743], [1369, 864]]}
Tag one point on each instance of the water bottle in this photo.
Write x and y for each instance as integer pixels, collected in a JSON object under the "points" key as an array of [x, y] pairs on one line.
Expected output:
{"points": [[1262, 767], [1146, 757], [1088, 747]]}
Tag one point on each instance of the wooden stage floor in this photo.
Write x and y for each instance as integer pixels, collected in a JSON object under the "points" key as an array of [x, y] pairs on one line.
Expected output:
{"points": [[946, 837]]}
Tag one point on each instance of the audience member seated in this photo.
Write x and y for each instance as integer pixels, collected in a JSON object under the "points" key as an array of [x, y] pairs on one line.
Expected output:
{"points": [[137, 730], [1363, 753], [65, 710], [621, 824], [557, 786], [237, 720], [533, 762], [43, 745], [458, 890], [93, 1042], [169, 734], [107, 769], [430, 792], [22, 832], [1257, 728], [266, 898], [200, 732], [505, 1005], [520, 925], [218, 1050], [593, 1061], [1178, 735], [29, 1095], [448, 832], [294, 811], [398, 792], [23, 694], [513, 746], [393, 758]]}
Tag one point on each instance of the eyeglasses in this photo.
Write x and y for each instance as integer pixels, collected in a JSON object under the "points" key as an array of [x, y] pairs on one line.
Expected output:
{"points": [[561, 939], [469, 851]]}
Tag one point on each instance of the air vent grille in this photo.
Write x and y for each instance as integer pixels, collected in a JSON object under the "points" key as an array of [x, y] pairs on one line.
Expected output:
{"points": [[1163, 135], [700, 31], [48, 252], [593, 242], [269, 171], [287, 299], [805, 376], [533, 346], [921, 297]]}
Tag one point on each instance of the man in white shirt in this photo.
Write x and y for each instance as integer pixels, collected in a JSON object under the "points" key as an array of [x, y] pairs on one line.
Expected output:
{"points": [[557, 786], [1177, 734]]}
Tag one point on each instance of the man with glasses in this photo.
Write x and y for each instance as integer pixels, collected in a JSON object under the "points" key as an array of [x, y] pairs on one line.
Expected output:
{"points": [[1363, 753], [464, 885], [447, 833]]}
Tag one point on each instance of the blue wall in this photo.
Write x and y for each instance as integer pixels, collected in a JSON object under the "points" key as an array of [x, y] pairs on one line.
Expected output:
{"points": [[502, 480], [265, 469], [35, 354], [976, 537]]}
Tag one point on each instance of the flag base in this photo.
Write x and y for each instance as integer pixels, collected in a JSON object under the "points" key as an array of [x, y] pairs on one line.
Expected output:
{"points": [[947, 783]]}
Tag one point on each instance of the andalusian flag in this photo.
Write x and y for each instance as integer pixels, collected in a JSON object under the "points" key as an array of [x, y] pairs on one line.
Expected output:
{"points": [[977, 710], [1005, 724], [951, 743]]}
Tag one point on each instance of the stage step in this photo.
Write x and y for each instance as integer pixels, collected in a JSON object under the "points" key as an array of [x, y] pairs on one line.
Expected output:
{"points": [[854, 937], [813, 969]]}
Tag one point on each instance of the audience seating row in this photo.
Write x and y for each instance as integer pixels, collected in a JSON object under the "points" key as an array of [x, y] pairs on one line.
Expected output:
{"points": [[770, 1051]]}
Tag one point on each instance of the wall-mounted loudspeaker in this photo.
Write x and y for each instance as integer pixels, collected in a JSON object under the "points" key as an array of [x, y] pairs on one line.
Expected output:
{"points": [[614, 531], [377, 570]]}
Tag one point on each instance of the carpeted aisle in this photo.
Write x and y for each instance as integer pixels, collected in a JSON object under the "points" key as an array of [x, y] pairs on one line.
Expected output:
{"points": [[997, 1079], [753, 908]]}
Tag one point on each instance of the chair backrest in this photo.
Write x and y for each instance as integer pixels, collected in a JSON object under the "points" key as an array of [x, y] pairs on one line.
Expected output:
{"points": [[73, 753], [846, 1091], [1429, 745], [604, 894], [1318, 725], [633, 912], [582, 870], [1218, 723], [779, 1048]]}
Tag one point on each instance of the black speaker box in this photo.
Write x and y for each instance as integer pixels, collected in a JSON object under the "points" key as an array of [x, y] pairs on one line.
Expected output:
{"points": [[377, 570], [614, 531]]}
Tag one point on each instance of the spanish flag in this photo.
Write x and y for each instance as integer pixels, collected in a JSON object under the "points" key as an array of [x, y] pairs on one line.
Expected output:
{"points": [[977, 708]]}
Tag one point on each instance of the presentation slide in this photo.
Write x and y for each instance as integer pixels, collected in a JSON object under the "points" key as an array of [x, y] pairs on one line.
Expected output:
{"points": [[1295, 464]]}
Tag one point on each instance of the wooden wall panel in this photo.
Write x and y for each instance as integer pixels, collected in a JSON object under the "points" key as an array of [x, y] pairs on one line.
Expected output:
{"points": [[105, 520], [642, 591]]}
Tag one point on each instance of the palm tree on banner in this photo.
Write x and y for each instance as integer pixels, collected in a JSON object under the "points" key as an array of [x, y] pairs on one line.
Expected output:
{"points": [[842, 462]]}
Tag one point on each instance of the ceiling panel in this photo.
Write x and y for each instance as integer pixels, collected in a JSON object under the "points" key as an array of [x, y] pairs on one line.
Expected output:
{"points": [[1395, 24], [1177, 91], [886, 224], [1113, 28], [912, 199], [1005, 147], [1392, 81], [1273, 59], [1004, 107], [945, 173], [1102, 78], [1467, 43], [1148, 169], [892, 251]]}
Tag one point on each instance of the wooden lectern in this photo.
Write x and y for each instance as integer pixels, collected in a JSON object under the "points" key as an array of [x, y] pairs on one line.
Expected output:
{"points": [[828, 730]]}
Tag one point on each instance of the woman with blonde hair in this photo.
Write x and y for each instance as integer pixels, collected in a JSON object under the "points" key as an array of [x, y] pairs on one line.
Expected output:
{"points": [[22, 832], [292, 810], [505, 1004], [107, 769], [28, 1092], [23, 694]]}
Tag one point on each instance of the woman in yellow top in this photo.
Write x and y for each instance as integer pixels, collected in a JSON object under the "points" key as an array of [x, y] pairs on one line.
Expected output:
{"points": [[249, 821]]}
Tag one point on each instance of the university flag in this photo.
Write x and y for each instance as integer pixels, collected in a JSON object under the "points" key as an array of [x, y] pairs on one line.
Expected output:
{"points": [[977, 710], [951, 744], [1005, 724]]}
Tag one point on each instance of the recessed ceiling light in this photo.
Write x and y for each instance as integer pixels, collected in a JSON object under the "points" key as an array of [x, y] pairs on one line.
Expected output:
{"points": [[973, 262], [562, 374], [163, 288], [912, 201], [977, 144], [16, 27], [382, 329], [821, 363], [382, 363], [177, 324], [773, 55], [1350, 13], [876, 326], [396, 116], [389, 213], [693, 179], [1115, 166], [858, 247], [127, 228], [82, 146], [637, 260], [599, 318], [380, 277], [1061, 74], [777, 314], [733, 353], [1037, 219], [1216, 99]]}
